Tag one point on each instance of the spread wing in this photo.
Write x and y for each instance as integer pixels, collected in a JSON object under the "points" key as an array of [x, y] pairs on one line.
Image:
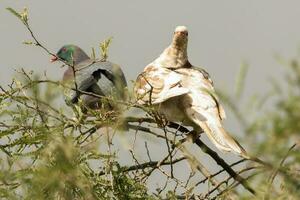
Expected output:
{"points": [[156, 85]]}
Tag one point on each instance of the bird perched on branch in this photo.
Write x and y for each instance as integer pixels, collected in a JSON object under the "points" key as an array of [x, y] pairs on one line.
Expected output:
{"points": [[184, 93], [95, 77]]}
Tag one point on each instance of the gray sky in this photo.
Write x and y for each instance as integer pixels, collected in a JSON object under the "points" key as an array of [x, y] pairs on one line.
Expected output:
{"points": [[222, 34]]}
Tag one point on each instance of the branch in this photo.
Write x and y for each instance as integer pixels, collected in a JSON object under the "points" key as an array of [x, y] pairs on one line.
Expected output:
{"points": [[225, 166], [216, 157], [226, 181], [147, 165], [219, 172], [271, 179]]}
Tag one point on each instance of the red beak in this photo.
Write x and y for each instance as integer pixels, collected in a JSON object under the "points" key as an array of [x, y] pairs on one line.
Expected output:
{"points": [[53, 58]]}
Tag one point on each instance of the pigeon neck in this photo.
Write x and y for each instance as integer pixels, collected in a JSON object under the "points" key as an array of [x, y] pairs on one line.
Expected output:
{"points": [[180, 44], [178, 50], [79, 57], [174, 57]]}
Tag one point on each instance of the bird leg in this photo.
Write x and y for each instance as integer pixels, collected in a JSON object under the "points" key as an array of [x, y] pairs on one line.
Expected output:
{"points": [[192, 136]]}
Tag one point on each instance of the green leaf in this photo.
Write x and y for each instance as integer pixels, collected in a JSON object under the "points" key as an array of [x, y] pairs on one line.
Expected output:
{"points": [[240, 80], [93, 55], [104, 48], [23, 16], [15, 13], [28, 42]]}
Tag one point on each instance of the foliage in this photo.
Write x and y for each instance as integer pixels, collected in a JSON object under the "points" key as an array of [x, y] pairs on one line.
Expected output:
{"points": [[104, 48], [46, 157], [271, 126]]}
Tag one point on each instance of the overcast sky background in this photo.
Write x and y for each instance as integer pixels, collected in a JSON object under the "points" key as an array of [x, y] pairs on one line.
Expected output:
{"points": [[222, 34]]}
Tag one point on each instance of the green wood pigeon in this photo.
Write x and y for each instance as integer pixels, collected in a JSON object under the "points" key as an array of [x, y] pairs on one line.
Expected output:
{"points": [[102, 78]]}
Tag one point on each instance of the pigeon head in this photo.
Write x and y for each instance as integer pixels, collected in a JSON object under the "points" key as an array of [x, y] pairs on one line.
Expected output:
{"points": [[180, 38], [71, 54]]}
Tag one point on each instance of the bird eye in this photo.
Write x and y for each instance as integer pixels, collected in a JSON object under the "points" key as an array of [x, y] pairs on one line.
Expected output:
{"points": [[63, 49]]}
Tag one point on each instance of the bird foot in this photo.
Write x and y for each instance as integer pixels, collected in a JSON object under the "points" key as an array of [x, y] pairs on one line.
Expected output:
{"points": [[178, 143], [192, 136]]}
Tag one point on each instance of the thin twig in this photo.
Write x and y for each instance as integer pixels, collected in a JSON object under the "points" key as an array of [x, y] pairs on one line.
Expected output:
{"points": [[272, 177]]}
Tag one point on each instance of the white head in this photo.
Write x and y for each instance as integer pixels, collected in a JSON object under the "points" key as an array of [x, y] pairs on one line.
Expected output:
{"points": [[180, 36], [181, 29]]}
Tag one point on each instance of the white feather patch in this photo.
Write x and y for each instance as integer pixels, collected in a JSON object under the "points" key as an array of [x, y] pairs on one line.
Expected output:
{"points": [[181, 29]]}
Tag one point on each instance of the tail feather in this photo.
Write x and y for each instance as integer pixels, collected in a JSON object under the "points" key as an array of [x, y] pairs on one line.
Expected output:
{"points": [[222, 140]]}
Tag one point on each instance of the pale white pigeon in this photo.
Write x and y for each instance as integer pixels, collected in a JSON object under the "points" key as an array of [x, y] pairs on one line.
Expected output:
{"points": [[184, 93]]}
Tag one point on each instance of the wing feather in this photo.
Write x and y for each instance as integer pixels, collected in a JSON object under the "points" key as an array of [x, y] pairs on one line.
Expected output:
{"points": [[204, 112], [156, 85]]}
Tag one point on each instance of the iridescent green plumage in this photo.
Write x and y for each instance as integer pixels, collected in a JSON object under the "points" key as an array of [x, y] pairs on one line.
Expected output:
{"points": [[72, 54]]}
